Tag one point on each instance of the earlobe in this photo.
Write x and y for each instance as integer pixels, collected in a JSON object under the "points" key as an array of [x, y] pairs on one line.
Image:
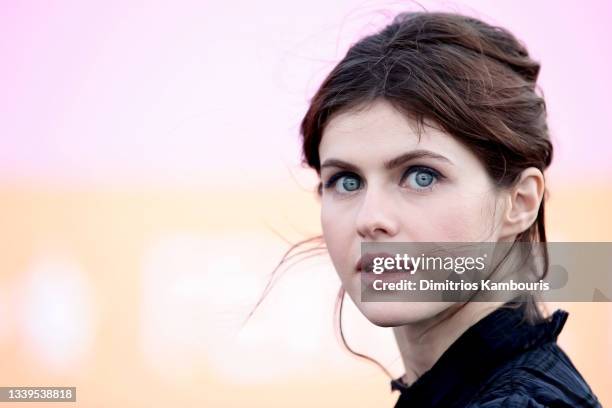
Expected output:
{"points": [[524, 201]]}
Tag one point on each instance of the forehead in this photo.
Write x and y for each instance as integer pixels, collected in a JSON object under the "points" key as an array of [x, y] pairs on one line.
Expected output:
{"points": [[379, 130]]}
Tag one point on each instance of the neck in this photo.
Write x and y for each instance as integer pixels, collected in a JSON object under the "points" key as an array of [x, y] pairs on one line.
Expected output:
{"points": [[421, 344]]}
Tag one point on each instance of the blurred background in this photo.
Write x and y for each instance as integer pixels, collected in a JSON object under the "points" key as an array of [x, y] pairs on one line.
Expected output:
{"points": [[150, 182]]}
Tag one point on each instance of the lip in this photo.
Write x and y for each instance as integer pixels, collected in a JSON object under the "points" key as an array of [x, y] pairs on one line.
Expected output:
{"points": [[365, 263]]}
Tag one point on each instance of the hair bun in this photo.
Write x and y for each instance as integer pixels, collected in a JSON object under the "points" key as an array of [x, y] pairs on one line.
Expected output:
{"points": [[470, 33]]}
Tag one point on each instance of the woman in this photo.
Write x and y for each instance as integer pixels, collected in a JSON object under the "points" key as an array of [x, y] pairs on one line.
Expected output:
{"points": [[431, 130]]}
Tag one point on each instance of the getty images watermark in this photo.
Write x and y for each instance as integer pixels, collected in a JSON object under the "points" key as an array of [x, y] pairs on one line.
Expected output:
{"points": [[486, 271]]}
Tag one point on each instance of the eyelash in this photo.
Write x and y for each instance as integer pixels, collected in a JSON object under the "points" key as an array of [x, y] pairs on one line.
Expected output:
{"points": [[437, 175]]}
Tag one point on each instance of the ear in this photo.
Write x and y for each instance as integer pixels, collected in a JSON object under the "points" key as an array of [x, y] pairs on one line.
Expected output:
{"points": [[524, 199]]}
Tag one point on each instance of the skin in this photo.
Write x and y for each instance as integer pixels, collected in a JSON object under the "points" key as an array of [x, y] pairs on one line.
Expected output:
{"points": [[423, 199]]}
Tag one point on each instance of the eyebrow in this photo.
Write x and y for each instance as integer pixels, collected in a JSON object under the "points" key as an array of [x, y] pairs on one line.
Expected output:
{"points": [[390, 164]]}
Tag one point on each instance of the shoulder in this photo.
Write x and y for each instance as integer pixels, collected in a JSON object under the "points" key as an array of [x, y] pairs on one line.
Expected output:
{"points": [[512, 401], [540, 377]]}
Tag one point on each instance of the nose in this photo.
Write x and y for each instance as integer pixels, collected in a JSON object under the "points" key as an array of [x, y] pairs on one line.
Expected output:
{"points": [[376, 219]]}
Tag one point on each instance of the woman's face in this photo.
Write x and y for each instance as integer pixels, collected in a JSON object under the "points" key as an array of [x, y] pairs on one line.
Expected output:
{"points": [[382, 184]]}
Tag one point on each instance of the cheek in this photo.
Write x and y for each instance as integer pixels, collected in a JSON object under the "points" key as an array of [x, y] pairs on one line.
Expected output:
{"points": [[327, 221], [457, 219], [336, 228]]}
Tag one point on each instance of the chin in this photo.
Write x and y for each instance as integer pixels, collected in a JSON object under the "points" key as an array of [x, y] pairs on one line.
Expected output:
{"points": [[392, 314]]}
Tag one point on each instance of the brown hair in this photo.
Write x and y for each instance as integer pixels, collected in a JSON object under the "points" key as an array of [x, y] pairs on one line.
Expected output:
{"points": [[474, 80]]}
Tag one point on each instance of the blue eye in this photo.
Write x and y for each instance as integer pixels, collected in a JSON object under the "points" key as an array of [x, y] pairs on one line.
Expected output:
{"points": [[344, 182], [421, 178], [348, 183]]}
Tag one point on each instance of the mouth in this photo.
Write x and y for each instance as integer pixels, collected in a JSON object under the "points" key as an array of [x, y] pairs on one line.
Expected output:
{"points": [[365, 264]]}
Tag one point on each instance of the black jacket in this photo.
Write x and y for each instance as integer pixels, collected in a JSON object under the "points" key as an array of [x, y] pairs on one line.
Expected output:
{"points": [[501, 362]]}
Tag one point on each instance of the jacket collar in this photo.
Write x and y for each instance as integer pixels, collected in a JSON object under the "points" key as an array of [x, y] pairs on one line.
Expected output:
{"points": [[460, 370]]}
